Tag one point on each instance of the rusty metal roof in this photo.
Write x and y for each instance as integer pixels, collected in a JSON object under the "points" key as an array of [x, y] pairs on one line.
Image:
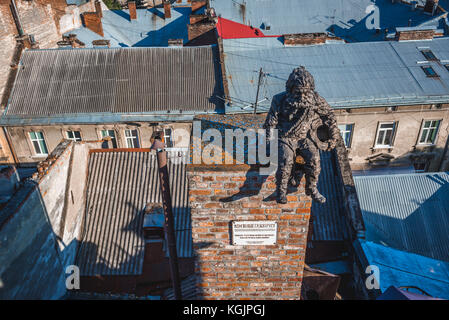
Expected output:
{"points": [[120, 184], [104, 82]]}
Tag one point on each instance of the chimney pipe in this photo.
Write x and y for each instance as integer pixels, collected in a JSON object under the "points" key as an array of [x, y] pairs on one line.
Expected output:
{"points": [[132, 10], [169, 227], [98, 9], [15, 15], [167, 9], [431, 6]]}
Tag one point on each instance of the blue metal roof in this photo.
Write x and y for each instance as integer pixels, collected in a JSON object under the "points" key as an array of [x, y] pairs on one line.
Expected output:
{"points": [[346, 74], [407, 212], [398, 268], [150, 29], [344, 18], [329, 217]]}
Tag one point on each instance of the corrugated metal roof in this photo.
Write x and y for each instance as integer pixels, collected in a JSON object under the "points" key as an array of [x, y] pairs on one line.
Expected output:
{"points": [[109, 81], [407, 212], [398, 268], [120, 184], [346, 75], [329, 217], [150, 29], [188, 290], [344, 18]]}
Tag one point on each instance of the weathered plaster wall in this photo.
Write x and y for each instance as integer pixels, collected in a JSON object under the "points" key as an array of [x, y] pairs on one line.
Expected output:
{"points": [[40, 226], [409, 121]]}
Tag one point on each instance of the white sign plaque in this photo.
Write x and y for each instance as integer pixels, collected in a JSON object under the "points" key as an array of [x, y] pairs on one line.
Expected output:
{"points": [[254, 233]]}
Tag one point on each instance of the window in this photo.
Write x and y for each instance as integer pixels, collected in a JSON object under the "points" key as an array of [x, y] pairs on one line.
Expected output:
{"points": [[428, 70], [168, 138], [420, 166], [74, 135], [132, 139], [38, 141], [346, 133], [110, 133], [429, 131], [385, 134], [428, 54]]}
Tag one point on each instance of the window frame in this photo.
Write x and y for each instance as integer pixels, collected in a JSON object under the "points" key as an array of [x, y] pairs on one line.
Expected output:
{"points": [[73, 139], [170, 137], [422, 130], [428, 74], [351, 133], [132, 138], [426, 166], [393, 135], [38, 140], [113, 138], [432, 58]]}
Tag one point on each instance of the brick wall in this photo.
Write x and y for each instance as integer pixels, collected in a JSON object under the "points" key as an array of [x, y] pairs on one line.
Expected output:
{"points": [[223, 194], [304, 39], [415, 35]]}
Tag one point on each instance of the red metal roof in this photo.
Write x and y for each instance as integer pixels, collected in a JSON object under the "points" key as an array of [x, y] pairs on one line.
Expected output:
{"points": [[228, 29]]}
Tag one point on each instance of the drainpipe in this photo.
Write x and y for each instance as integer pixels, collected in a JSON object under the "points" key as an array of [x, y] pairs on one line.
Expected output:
{"points": [[15, 15], [446, 147], [159, 146], [8, 140]]}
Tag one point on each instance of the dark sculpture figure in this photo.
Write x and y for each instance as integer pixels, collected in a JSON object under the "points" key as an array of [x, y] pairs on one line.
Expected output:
{"points": [[306, 124]]}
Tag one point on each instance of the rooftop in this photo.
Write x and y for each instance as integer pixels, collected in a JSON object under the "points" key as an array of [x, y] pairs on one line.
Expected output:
{"points": [[407, 212], [150, 29], [398, 268], [345, 18], [346, 74], [120, 185], [114, 85]]}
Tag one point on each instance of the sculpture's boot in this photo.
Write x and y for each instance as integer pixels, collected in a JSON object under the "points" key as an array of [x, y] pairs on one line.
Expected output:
{"points": [[282, 197], [294, 182], [313, 192]]}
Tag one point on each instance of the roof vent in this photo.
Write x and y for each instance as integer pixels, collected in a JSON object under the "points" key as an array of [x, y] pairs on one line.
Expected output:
{"points": [[153, 222]]}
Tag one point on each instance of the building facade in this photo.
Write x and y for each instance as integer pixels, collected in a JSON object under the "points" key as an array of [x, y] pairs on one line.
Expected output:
{"points": [[127, 94], [390, 98]]}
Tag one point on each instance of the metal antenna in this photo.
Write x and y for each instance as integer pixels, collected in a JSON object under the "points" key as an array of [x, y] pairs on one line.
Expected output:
{"points": [[261, 74]]}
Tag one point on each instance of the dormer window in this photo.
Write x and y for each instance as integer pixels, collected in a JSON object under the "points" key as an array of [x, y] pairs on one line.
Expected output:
{"points": [[428, 70], [428, 54]]}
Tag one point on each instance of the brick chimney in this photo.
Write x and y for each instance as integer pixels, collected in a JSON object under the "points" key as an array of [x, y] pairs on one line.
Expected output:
{"points": [[167, 9], [92, 21], [431, 6], [175, 42], [98, 10], [231, 266], [198, 4], [132, 10]]}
